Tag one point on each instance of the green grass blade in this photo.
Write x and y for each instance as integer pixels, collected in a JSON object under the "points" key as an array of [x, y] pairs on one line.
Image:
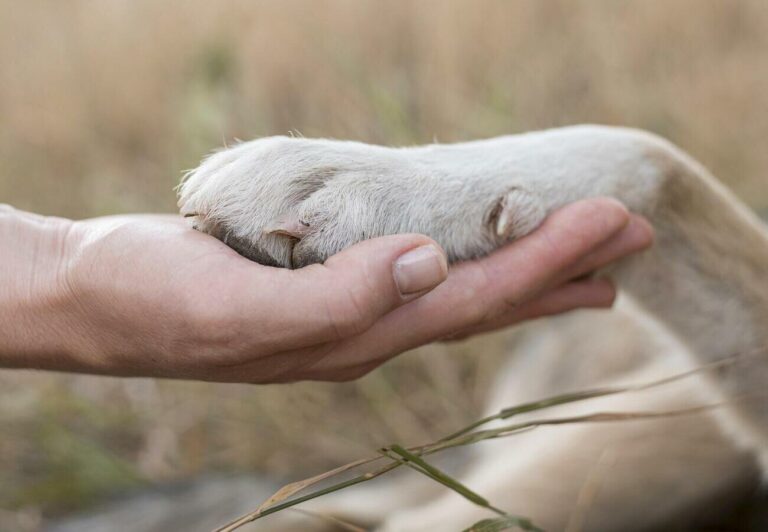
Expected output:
{"points": [[441, 477]]}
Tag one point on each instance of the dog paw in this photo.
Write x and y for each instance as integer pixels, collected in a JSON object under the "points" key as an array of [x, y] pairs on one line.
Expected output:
{"points": [[291, 202]]}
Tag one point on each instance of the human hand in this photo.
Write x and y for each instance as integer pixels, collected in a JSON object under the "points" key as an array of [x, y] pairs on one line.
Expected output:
{"points": [[144, 295]]}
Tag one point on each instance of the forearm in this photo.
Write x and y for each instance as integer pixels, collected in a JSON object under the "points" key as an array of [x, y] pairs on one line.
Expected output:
{"points": [[33, 291]]}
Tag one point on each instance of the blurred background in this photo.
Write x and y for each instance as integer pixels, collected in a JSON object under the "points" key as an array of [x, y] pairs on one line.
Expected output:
{"points": [[104, 103]]}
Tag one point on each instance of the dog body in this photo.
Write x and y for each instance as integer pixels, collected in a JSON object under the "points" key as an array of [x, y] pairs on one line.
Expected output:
{"points": [[700, 295], [676, 473]]}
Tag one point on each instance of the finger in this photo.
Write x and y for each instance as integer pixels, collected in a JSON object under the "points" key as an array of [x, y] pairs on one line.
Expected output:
{"points": [[344, 296], [478, 291], [539, 261], [592, 293], [636, 236]]}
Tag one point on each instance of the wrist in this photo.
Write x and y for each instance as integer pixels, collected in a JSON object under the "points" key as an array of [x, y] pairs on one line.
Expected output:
{"points": [[35, 317]]}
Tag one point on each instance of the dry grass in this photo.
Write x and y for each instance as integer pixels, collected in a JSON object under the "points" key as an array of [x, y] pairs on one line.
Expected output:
{"points": [[395, 455], [103, 104]]}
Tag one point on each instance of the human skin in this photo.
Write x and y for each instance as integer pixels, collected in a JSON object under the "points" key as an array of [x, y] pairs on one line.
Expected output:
{"points": [[145, 295]]}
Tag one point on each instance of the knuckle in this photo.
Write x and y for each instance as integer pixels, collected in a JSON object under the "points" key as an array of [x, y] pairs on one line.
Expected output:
{"points": [[347, 313], [476, 304], [474, 310]]}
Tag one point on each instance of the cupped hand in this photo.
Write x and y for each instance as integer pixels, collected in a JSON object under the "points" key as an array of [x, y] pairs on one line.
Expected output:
{"points": [[145, 295]]}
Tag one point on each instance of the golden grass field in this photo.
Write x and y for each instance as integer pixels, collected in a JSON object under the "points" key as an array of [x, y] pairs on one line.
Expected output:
{"points": [[103, 104]]}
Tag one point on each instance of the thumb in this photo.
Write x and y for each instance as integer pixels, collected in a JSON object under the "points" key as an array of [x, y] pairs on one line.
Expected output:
{"points": [[368, 280]]}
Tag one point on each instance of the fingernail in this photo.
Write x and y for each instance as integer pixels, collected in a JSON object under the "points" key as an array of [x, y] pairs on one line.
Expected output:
{"points": [[420, 269]]}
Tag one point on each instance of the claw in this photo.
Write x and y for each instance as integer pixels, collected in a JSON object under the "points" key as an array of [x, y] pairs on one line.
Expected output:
{"points": [[504, 220], [293, 228], [501, 218], [516, 214]]}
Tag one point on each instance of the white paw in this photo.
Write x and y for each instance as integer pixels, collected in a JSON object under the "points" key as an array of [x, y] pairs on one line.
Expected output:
{"points": [[292, 202]]}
